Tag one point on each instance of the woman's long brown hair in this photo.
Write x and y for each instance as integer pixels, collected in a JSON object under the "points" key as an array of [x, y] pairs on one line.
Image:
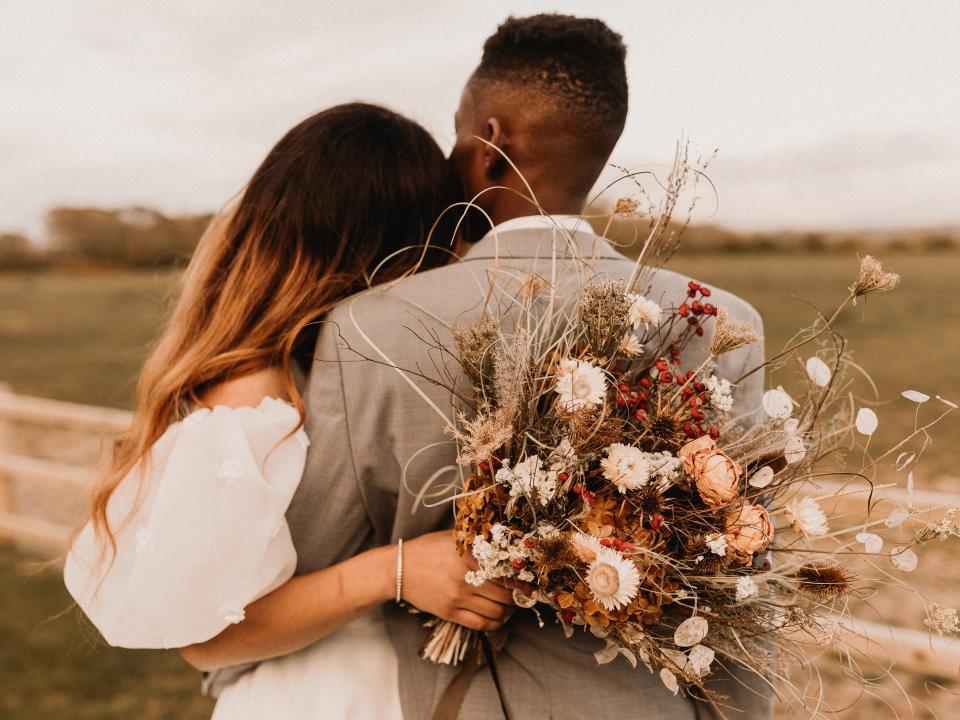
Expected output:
{"points": [[350, 189]]}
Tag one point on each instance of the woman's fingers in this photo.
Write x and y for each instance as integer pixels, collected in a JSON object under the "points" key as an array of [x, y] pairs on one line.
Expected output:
{"points": [[474, 621], [486, 608], [495, 592]]}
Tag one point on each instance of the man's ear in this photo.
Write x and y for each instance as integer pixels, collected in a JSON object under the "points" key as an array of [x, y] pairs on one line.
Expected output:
{"points": [[494, 164]]}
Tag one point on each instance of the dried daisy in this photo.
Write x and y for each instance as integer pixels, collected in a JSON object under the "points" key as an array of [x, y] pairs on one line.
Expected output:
{"points": [[873, 278], [729, 334], [580, 385], [475, 344], [824, 581], [604, 307], [807, 517], [481, 437], [613, 580]]}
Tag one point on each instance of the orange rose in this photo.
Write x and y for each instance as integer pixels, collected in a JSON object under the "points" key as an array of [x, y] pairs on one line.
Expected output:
{"points": [[749, 530], [717, 477]]}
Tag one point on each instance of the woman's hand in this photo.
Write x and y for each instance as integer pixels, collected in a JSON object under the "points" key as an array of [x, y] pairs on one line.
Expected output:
{"points": [[433, 581]]}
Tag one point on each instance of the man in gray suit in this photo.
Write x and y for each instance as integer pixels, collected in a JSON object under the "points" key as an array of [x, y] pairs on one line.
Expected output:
{"points": [[550, 94]]}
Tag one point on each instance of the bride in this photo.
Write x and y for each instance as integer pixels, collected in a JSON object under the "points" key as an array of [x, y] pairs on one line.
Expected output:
{"points": [[187, 546]]}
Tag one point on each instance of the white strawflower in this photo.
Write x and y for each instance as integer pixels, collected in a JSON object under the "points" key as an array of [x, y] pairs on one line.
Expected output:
{"points": [[631, 345], [642, 311], [721, 393], [612, 579], [626, 467], [807, 517], [746, 587], [580, 384], [717, 544]]}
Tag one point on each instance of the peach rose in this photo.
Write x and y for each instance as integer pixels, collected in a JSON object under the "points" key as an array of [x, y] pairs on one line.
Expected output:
{"points": [[749, 530], [717, 477]]}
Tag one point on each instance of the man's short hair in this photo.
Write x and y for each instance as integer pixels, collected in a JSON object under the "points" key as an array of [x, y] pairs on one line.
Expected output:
{"points": [[578, 63]]}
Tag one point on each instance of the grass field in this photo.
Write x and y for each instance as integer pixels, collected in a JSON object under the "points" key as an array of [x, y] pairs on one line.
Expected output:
{"points": [[54, 667], [83, 338]]}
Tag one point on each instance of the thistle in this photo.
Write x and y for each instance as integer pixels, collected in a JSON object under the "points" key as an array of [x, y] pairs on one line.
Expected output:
{"points": [[475, 344], [604, 308], [824, 581]]}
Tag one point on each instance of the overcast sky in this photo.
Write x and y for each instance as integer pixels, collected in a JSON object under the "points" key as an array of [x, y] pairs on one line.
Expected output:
{"points": [[827, 114]]}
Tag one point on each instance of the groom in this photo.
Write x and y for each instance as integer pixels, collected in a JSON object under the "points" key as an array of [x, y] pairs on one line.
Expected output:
{"points": [[550, 93]]}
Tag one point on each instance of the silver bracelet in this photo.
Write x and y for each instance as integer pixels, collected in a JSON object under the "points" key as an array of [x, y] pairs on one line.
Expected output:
{"points": [[399, 569]]}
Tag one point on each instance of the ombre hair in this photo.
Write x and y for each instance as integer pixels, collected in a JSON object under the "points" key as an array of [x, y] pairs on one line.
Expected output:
{"points": [[348, 198]]}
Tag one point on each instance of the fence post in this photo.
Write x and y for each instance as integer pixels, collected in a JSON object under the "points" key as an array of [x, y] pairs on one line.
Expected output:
{"points": [[6, 433]]}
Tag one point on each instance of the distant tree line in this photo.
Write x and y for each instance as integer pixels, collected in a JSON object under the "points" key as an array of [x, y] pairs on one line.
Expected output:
{"points": [[141, 237], [125, 237]]}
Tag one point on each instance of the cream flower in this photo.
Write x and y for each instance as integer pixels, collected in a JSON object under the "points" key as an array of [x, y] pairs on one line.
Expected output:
{"points": [[942, 619], [807, 517], [642, 311], [721, 393], [717, 544], [586, 547], [631, 345], [746, 587], [580, 384], [612, 579], [626, 467]]}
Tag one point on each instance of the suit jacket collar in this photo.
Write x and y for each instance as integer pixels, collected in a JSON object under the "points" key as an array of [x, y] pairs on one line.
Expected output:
{"points": [[539, 237]]}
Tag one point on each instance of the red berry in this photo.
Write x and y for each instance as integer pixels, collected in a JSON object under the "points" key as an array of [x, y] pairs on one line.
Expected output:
{"points": [[700, 387], [714, 432], [705, 291], [681, 380], [709, 309], [485, 466], [645, 382], [697, 414], [518, 564], [641, 415], [691, 293], [656, 521], [696, 307], [692, 320], [606, 542], [623, 387], [693, 285], [683, 310], [567, 616], [621, 400], [699, 331], [563, 477], [666, 377], [528, 542]]}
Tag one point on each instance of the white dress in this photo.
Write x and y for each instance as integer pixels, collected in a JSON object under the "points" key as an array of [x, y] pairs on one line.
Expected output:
{"points": [[200, 534]]}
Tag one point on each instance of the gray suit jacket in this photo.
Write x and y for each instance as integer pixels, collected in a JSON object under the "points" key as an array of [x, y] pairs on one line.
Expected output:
{"points": [[377, 434]]}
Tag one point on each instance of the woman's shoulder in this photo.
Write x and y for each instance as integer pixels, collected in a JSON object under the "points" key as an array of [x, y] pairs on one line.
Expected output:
{"points": [[248, 390]]}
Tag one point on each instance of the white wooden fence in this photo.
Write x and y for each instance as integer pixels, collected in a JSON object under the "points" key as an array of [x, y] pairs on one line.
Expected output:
{"points": [[915, 651]]}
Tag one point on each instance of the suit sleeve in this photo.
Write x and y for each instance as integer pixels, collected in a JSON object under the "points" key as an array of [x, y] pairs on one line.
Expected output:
{"points": [[328, 516]]}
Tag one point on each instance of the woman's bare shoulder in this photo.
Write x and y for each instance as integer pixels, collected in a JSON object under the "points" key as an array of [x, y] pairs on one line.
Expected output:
{"points": [[247, 390]]}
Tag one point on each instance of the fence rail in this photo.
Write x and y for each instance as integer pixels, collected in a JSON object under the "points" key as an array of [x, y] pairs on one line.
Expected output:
{"points": [[915, 651]]}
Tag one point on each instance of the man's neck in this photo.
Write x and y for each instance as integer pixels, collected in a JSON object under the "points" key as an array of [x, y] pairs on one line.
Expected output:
{"points": [[508, 206]]}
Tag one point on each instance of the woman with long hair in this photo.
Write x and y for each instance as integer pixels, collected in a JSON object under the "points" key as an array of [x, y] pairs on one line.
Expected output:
{"points": [[187, 546]]}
